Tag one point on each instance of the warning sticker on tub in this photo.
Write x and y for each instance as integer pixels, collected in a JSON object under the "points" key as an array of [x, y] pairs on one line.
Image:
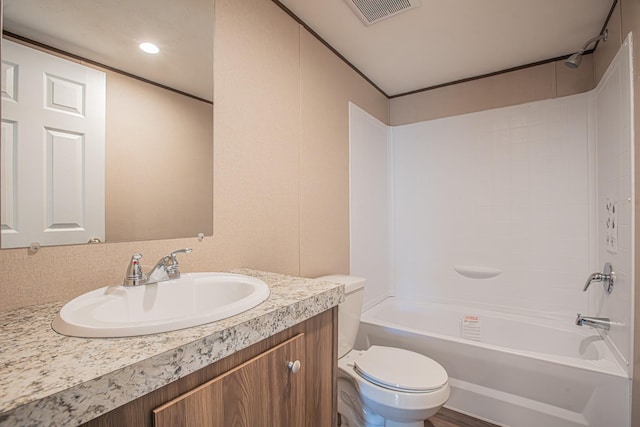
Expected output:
{"points": [[471, 328]]}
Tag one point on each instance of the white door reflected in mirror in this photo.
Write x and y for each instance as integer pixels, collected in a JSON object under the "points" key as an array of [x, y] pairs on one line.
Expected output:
{"points": [[53, 143]]}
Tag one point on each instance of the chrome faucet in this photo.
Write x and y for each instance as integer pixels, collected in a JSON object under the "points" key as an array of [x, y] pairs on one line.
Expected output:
{"points": [[595, 322], [167, 268]]}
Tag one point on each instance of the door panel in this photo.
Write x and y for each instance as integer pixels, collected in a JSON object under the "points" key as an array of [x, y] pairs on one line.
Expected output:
{"points": [[53, 142]]}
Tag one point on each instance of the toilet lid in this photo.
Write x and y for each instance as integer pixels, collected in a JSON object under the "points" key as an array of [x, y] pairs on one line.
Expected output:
{"points": [[400, 370]]}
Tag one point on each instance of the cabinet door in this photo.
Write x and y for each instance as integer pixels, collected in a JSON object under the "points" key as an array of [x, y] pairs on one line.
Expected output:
{"points": [[264, 391]]}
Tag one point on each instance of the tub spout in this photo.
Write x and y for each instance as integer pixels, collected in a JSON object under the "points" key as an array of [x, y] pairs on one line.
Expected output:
{"points": [[595, 322]]}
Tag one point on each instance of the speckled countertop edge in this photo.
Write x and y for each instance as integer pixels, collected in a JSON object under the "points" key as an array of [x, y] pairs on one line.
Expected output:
{"points": [[54, 380]]}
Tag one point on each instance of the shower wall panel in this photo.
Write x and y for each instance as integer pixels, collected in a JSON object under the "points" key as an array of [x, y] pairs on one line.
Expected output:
{"points": [[613, 134], [370, 203], [504, 191]]}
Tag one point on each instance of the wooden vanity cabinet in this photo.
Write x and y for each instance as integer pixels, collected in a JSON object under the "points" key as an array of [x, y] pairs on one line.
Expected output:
{"points": [[254, 387], [264, 391]]}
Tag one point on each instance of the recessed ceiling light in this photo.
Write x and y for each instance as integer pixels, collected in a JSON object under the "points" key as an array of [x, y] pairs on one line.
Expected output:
{"points": [[149, 47]]}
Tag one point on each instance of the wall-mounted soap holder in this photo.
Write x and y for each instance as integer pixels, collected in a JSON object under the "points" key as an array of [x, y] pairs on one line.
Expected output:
{"points": [[476, 272]]}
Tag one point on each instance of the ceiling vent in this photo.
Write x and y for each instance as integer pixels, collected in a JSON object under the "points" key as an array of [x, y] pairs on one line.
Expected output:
{"points": [[372, 11]]}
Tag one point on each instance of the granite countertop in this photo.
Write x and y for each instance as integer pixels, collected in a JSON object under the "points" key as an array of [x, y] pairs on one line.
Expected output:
{"points": [[55, 380]]}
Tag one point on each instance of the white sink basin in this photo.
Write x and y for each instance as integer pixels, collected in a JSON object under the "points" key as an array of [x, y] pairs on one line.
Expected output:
{"points": [[191, 300]]}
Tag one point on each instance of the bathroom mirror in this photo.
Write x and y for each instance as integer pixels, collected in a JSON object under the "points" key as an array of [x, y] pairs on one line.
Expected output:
{"points": [[156, 163]]}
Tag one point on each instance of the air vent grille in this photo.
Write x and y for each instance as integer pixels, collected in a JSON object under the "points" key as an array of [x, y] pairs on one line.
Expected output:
{"points": [[372, 11]]}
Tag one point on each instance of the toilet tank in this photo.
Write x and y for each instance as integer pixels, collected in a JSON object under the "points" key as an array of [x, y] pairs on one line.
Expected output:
{"points": [[348, 311]]}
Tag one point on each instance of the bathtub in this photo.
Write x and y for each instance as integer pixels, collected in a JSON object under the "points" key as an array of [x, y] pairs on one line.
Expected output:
{"points": [[510, 369]]}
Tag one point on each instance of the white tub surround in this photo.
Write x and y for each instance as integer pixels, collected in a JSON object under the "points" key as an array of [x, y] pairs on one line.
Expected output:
{"points": [[50, 379], [370, 203], [614, 210], [516, 370], [513, 208]]}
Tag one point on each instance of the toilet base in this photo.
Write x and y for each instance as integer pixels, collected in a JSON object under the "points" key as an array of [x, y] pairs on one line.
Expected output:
{"points": [[356, 412]]}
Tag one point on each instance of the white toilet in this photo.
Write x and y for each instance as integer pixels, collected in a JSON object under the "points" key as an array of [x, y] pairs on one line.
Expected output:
{"points": [[382, 386]]}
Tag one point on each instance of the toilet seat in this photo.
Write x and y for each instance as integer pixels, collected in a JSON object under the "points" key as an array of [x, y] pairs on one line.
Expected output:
{"points": [[393, 400], [400, 370]]}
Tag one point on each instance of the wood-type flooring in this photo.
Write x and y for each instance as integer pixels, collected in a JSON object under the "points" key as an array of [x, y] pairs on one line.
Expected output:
{"points": [[448, 418]]}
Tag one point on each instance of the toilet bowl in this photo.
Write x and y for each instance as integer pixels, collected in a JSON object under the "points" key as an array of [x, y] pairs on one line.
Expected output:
{"points": [[382, 386], [395, 387]]}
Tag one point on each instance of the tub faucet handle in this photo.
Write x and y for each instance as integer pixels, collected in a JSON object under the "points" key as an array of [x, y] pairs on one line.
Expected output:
{"points": [[607, 277], [594, 277]]}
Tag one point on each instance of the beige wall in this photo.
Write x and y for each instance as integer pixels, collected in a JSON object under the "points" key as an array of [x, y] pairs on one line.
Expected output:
{"points": [[280, 156], [606, 51], [516, 87], [328, 85], [257, 134], [282, 113], [159, 157]]}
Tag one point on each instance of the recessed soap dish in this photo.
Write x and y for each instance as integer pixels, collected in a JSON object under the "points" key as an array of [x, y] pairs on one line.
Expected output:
{"points": [[476, 272]]}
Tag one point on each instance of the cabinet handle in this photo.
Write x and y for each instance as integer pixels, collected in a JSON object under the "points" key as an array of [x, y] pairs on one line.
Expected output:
{"points": [[294, 367]]}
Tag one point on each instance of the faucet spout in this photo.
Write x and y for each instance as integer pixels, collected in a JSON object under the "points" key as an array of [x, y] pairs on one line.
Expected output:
{"points": [[167, 268], [603, 323]]}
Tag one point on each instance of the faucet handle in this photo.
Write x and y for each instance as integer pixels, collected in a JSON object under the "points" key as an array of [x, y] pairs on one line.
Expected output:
{"points": [[134, 275], [173, 267], [607, 277], [594, 277], [179, 251]]}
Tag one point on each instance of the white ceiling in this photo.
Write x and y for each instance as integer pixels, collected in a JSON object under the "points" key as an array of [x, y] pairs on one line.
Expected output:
{"points": [[109, 31], [447, 40], [438, 42]]}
